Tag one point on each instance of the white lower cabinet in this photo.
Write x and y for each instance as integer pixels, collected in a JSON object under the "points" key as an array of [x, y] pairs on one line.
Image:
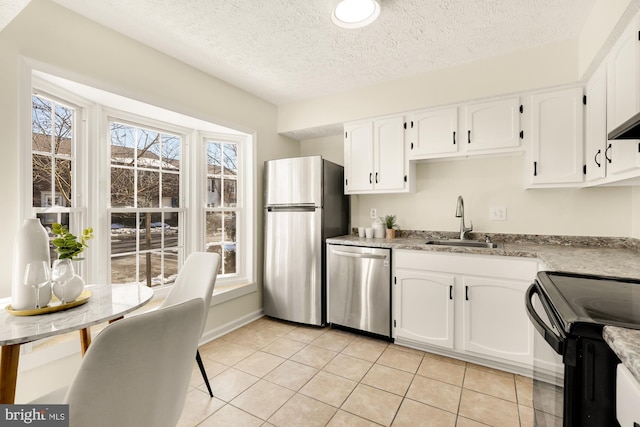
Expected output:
{"points": [[424, 307], [627, 398], [469, 306], [495, 321]]}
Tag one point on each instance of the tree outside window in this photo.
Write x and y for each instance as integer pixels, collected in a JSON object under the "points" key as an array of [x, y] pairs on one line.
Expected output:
{"points": [[53, 161], [146, 216], [222, 204]]}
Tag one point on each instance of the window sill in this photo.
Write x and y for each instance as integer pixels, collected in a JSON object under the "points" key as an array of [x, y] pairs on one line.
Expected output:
{"points": [[229, 292]]}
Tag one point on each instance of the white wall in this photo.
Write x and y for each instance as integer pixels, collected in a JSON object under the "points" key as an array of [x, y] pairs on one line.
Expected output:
{"points": [[490, 182], [330, 148], [534, 68], [94, 55]]}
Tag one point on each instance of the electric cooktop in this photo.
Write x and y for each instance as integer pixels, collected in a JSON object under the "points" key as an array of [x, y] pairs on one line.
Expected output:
{"points": [[589, 299]]}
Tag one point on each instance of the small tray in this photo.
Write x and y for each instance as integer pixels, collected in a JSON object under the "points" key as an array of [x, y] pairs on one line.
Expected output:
{"points": [[53, 306]]}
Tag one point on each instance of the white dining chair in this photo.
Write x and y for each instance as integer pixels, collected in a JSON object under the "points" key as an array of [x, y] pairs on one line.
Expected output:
{"points": [[136, 371], [196, 279]]}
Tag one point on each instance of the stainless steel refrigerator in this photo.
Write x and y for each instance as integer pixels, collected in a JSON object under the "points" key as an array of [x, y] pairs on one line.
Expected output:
{"points": [[304, 205]]}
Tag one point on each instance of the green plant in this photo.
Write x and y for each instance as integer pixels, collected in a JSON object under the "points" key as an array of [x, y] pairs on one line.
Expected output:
{"points": [[68, 245], [389, 221]]}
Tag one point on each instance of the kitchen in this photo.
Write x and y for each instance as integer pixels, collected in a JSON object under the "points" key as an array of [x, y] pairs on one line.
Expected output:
{"points": [[484, 182]]}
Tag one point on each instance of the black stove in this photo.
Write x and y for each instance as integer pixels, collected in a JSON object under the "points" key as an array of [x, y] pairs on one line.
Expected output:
{"points": [[600, 300], [576, 309]]}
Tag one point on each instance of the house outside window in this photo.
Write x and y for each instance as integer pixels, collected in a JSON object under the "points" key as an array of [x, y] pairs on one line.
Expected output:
{"points": [[146, 208], [223, 210], [55, 148]]}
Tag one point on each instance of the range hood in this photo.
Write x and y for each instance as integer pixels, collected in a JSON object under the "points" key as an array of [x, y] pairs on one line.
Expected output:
{"points": [[627, 130]]}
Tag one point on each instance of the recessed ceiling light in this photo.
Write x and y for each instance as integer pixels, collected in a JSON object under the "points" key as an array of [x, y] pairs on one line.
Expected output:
{"points": [[355, 13]]}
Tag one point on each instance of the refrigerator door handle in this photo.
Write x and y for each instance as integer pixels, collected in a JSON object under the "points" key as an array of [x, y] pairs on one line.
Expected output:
{"points": [[359, 255], [292, 208]]}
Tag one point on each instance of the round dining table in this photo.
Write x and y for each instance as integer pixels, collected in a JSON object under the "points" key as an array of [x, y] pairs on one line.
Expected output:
{"points": [[105, 303]]}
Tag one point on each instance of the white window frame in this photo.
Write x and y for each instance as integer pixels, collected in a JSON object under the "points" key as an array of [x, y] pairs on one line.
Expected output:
{"points": [[79, 210], [245, 212], [132, 119], [93, 153]]}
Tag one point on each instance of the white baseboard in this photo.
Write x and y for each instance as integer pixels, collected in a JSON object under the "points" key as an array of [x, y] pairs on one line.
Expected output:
{"points": [[211, 335]]}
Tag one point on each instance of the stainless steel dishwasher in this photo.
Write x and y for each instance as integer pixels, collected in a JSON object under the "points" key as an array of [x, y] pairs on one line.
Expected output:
{"points": [[359, 288]]}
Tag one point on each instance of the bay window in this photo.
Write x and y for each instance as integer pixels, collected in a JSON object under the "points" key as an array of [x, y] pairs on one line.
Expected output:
{"points": [[154, 184]]}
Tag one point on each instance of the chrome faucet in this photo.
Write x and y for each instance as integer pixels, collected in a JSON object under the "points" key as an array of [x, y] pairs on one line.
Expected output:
{"points": [[460, 214]]}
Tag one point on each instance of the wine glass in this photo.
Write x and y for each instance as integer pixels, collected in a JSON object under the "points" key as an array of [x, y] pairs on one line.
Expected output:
{"points": [[62, 273], [37, 275]]}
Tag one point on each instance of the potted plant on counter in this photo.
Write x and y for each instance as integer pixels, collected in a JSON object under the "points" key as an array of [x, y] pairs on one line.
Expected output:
{"points": [[391, 225]]}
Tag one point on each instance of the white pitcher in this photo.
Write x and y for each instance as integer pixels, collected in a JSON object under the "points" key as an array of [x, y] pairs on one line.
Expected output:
{"points": [[31, 244]]}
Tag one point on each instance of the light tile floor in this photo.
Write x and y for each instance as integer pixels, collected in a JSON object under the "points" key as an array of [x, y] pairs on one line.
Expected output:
{"points": [[273, 373]]}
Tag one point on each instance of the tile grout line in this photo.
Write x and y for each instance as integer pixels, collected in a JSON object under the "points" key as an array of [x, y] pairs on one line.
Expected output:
{"points": [[374, 363]]}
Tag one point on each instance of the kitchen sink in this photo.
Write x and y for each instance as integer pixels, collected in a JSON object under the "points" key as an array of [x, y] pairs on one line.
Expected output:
{"points": [[465, 243]]}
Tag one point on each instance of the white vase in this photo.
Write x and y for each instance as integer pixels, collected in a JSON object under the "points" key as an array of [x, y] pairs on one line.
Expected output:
{"points": [[31, 244], [72, 290]]}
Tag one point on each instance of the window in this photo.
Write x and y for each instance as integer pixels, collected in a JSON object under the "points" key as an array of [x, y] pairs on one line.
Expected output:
{"points": [[146, 209], [222, 210], [148, 186], [54, 162], [162, 184]]}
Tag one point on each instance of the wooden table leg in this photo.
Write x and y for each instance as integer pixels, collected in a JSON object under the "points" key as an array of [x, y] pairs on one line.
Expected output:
{"points": [[85, 336], [9, 358], [85, 339]]}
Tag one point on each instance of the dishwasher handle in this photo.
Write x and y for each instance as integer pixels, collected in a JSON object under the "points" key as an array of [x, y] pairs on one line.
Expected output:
{"points": [[359, 255]]}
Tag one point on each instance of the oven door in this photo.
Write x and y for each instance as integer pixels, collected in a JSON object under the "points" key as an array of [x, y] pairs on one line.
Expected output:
{"points": [[548, 369]]}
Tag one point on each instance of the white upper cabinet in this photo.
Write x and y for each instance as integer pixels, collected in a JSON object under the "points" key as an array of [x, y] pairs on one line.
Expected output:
{"points": [[492, 126], [374, 157], [358, 157], [623, 92], [557, 137], [389, 159], [485, 127], [434, 133], [596, 155], [622, 77]]}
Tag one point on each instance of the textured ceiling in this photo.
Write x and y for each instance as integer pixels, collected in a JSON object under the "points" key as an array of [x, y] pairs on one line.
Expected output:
{"points": [[288, 50]]}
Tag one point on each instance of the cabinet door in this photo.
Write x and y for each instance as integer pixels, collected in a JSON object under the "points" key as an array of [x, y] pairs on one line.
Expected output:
{"points": [[557, 137], [358, 157], [623, 93], [434, 132], [423, 307], [622, 77], [389, 170], [623, 97], [495, 321], [492, 125], [596, 134]]}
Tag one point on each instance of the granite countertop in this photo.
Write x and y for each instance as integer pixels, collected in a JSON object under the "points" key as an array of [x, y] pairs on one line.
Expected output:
{"points": [[583, 255], [600, 256], [625, 343]]}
